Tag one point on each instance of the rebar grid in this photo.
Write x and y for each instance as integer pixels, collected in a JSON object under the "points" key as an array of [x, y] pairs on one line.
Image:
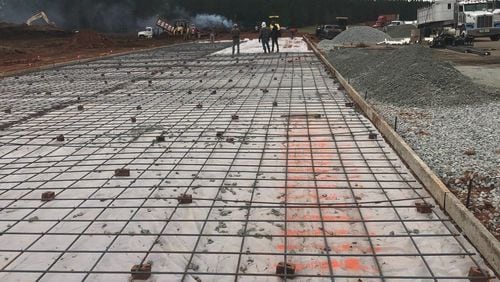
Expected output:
{"points": [[298, 181]]}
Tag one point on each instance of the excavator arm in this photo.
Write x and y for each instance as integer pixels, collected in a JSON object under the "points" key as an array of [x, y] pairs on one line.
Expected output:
{"points": [[39, 15]]}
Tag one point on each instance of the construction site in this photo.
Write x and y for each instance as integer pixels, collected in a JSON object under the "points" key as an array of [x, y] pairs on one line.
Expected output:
{"points": [[358, 152]]}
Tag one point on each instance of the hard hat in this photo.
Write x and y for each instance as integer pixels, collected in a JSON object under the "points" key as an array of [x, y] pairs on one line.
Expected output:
{"points": [[264, 24]]}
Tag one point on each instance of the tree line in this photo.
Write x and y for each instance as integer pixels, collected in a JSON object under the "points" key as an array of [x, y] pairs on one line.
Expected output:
{"points": [[303, 12], [127, 15]]}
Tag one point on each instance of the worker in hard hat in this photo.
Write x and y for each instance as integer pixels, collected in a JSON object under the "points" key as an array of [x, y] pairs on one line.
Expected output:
{"points": [[275, 34], [235, 34], [212, 37], [264, 36]]}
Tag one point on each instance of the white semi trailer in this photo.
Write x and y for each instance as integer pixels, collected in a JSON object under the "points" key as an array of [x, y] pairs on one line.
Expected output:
{"points": [[473, 17]]}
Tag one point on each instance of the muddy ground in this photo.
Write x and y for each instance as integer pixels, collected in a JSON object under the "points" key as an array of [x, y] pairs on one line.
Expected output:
{"points": [[484, 70], [23, 47]]}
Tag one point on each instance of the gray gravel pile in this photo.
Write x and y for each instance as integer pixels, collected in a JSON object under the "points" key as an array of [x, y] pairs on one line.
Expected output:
{"points": [[408, 75], [400, 31], [355, 35], [448, 120]]}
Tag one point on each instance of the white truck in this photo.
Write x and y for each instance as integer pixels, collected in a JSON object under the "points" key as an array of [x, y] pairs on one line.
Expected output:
{"points": [[471, 17], [495, 7], [146, 34], [397, 23]]}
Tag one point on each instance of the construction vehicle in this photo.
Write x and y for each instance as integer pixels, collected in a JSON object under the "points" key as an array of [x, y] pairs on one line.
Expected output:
{"points": [[146, 34], [397, 23], [328, 31], [495, 8], [385, 20], [342, 22], [449, 38], [470, 18], [180, 27], [462, 44], [37, 16], [275, 19]]}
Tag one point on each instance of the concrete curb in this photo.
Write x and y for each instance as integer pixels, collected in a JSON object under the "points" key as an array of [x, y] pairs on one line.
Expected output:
{"points": [[88, 60], [479, 236]]}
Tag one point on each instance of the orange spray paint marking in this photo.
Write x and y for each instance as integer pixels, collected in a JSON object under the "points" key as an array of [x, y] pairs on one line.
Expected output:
{"points": [[336, 248], [350, 248], [306, 217], [316, 232], [320, 151], [350, 264], [312, 196]]}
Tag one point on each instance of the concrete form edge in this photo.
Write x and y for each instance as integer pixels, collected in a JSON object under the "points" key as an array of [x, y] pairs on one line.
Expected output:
{"points": [[487, 245]]}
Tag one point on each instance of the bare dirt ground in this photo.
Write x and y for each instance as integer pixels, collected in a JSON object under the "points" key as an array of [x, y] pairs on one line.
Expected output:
{"points": [[472, 59], [25, 47], [484, 70]]}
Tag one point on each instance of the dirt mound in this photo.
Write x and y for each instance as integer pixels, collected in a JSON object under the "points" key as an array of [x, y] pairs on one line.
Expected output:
{"points": [[7, 51], [22, 31], [87, 39]]}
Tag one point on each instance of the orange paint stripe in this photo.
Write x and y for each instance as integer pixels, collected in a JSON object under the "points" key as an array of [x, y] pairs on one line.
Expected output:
{"points": [[335, 248], [293, 217], [349, 264], [329, 232], [315, 232], [312, 196], [300, 177]]}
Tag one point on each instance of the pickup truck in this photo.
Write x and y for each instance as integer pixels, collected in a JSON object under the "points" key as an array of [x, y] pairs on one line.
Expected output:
{"points": [[384, 20], [328, 31]]}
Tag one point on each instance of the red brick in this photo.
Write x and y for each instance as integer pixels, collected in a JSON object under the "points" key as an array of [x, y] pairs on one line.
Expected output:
{"points": [[48, 196], [281, 267], [141, 271], [185, 199], [423, 207], [122, 172]]}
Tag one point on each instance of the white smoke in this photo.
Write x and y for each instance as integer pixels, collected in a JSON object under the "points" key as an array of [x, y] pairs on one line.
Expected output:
{"points": [[150, 21], [211, 21]]}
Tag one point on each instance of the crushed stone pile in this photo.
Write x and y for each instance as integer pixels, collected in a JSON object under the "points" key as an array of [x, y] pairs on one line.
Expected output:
{"points": [[87, 39], [451, 122], [407, 76], [400, 31], [354, 36]]}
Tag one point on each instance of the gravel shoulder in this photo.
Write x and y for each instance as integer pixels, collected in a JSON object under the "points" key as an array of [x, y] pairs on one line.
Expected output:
{"points": [[448, 119], [484, 75]]}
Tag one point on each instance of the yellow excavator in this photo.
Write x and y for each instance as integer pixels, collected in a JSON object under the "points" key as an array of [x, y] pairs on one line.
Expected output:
{"points": [[40, 15], [276, 20]]}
